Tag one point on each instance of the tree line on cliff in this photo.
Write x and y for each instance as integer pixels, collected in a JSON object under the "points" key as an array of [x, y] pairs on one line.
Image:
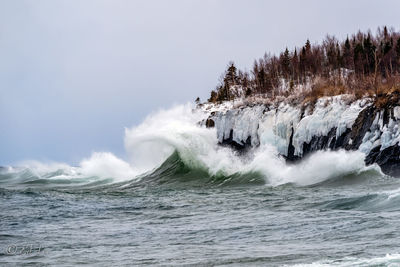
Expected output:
{"points": [[363, 63]]}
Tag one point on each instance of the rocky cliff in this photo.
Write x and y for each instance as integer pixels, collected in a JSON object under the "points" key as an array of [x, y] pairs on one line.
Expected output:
{"points": [[337, 122]]}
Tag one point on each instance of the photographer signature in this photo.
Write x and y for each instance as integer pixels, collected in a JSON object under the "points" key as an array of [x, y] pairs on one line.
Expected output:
{"points": [[24, 249]]}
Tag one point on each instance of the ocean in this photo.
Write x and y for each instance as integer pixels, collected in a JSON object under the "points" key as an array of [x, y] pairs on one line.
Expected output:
{"points": [[183, 200]]}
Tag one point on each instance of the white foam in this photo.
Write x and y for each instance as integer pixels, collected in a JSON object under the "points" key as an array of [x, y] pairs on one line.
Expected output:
{"points": [[390, 260], [99, 165], [106, 165], [177, 129], [318, 167], [165, 131]]}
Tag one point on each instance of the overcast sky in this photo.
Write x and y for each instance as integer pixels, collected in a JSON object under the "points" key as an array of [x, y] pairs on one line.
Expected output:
{"points": [[73, 74]]}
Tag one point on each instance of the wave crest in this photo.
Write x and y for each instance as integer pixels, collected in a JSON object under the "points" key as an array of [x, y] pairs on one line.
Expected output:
{"points": [[152, 144]]}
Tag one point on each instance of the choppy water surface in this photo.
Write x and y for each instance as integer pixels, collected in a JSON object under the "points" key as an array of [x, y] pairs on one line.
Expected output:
{"points": [[180, 216], [181, 199]]}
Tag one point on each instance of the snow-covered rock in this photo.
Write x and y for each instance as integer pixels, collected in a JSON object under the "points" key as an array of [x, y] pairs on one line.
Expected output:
{"points": [[294, 130], [275, 125]]}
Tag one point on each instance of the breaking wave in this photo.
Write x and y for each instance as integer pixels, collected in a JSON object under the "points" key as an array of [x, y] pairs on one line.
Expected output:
{"points": [[171, 147]]}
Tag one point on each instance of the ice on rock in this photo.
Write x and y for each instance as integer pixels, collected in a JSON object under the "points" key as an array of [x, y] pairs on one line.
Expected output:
{"points": [[274, 124], [396, 112], [276, 127], [243, 123], [380, 134], [390, 135], [329, 113], [386, 139]]}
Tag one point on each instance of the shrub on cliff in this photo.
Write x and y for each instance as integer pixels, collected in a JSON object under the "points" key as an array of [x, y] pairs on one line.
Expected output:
{"points": [[361, 65]]}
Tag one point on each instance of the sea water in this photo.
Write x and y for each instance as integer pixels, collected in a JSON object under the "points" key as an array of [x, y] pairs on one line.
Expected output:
{"points": [[178, 198]]}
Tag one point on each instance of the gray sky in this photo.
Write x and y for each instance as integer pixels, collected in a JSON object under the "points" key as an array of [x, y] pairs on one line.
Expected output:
{"points": [[73, 74]]}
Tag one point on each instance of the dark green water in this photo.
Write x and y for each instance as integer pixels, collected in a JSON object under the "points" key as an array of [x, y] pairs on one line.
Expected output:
{"points": [[180, 216]]}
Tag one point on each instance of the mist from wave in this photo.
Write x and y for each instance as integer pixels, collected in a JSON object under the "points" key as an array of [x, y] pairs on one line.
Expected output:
{"points": [[177, 131], [180, 198]]}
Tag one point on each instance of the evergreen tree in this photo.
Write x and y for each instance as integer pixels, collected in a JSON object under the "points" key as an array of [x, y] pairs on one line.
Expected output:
{"points": [[339, 58], [295, 65], [231, 76], [303, 62], [308, 46], [398, 47], [369, 49], [347, 55], [397, 50], [213, 97], [307, 56], [387, 47], [230, 79], [385, 33], [285, 63], [332, 56], [373, 58], [359, 56]]}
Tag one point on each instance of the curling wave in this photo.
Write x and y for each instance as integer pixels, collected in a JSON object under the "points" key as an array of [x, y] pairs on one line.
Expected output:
{"points": [[171, 147]]}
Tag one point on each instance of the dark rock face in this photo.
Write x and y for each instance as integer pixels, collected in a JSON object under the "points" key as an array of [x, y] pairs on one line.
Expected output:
{"points": [[323, 142], [290, 155], [349, 140], [360, 127], [210, 123], [388, 159], [240, 147]]}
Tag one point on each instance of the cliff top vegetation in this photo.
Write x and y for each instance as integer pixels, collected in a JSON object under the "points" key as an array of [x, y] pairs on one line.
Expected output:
{"points": [[364, 64]]}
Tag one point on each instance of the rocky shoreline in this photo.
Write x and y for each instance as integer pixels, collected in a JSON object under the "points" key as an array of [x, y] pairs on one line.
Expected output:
{"points": [[332, 123]]}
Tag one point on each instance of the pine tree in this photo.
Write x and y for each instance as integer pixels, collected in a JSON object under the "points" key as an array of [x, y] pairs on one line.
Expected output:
{"points": [[285, 63], [359, 56], [373, 58], [385, 33], [231, 77], [369, 49], [347, 55], [397, 50], [347, 44], [332, 57], [303, 62], [308, 46], [307, 56], [213, 97], [339, 58], [295, 65]]}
